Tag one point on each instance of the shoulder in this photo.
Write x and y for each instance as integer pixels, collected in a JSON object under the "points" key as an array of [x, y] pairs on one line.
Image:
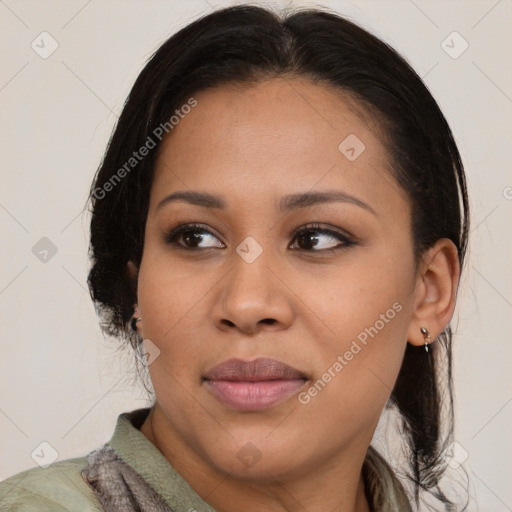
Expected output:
{"points": [[57, 488]]}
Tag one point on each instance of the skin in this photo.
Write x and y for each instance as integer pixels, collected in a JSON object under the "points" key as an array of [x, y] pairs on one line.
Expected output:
{"points": [[252, 146]]}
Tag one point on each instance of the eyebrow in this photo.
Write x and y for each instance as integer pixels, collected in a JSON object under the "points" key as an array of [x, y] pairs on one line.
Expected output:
{"points": [[286, 204]]}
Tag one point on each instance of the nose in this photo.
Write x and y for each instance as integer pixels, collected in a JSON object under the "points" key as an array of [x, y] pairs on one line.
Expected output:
{"points": [[252, 298]]}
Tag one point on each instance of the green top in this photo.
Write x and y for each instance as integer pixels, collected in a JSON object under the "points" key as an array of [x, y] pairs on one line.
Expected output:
{"points": [[60, 487]]}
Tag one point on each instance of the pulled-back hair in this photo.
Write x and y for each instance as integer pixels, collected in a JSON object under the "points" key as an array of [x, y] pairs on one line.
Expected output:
{"points": [[249, 44]]}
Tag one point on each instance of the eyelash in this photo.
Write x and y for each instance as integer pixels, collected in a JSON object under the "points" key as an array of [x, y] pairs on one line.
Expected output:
{"points": [[347, 242]]}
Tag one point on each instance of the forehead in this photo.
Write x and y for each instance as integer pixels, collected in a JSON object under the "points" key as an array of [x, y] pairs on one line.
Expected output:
{"points": [[280, 136]]}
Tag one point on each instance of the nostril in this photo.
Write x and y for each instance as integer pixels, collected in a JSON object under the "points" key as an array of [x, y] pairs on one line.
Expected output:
{"points": [[269, 321]]}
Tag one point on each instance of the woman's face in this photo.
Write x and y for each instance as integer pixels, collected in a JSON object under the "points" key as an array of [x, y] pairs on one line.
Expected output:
{"points": [[303, 255]]}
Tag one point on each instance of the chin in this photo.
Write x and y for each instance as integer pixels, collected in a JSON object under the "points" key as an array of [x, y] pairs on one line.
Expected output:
{"points": [[247, 459]]}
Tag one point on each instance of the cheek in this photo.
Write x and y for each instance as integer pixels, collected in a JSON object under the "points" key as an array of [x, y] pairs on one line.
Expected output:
{"points": [[166, 290], [358, 370], [367, 313], [170, 300], [367, 295]]}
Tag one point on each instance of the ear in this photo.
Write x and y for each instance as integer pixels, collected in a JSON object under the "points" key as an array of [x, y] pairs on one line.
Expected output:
{"points": [[435, 292], [132, 270]]}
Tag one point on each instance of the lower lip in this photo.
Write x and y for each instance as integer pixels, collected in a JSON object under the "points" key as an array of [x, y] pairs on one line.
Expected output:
{"points": [[252, 396]]}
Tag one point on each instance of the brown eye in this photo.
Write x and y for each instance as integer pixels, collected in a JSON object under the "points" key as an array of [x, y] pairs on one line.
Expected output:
{"points": [[315, 238], [191, 236]]}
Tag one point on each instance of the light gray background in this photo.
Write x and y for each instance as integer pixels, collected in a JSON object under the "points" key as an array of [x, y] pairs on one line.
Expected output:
{"points": [[61, 381]]}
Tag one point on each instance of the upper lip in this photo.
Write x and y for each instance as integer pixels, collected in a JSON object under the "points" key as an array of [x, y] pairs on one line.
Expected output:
{"points": [[255, 370]]}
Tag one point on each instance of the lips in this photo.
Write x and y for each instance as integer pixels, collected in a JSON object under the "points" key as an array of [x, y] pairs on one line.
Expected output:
{"points": [[253, 385], [256, 370]]}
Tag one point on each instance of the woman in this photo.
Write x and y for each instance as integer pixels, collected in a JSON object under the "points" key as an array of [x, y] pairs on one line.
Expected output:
{"points": [[278, 228]]}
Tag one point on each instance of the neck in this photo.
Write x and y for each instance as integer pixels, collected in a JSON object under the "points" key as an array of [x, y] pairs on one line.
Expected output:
{"points": [[337, 486]]}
